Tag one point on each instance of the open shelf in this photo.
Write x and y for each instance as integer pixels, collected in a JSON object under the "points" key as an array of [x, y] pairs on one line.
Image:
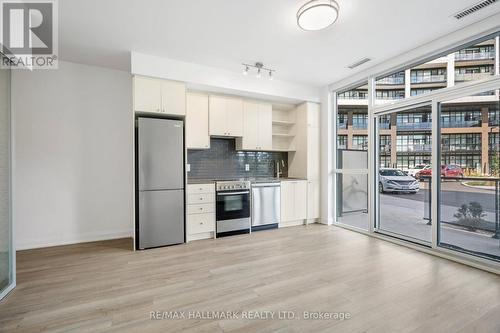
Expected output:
{"points": [[283, 123]]}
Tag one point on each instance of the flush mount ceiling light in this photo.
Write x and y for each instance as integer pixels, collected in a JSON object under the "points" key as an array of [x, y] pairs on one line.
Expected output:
{"points": [[260, 68], [317, 14]]}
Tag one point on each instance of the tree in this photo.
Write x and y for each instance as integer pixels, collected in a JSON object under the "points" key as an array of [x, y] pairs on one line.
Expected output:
{"points": [[470, 215]]}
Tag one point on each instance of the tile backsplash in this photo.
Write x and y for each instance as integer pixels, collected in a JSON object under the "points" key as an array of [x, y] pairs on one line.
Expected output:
{"points": [[222, 161]]}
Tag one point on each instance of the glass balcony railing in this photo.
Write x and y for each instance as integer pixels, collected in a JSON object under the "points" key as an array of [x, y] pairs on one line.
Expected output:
{"points": [[391, 80], [390, 97], [414, 126], [360, 125], [494, 122], [384, 125], [448, 148], [415, 148], [471, 76], [361, 96], [342, 125], [474, 56], [461, 124], [428, 79]]}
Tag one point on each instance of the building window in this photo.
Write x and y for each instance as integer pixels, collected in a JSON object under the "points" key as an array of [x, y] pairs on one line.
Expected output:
{"points": [[414, 143], [390, 94], [421, 91], [454, 118], [353, 94], [360, 121], [409, 161], [342, 121], [341, 141], [493, 117], [428, 75], [393, 79], [414, 121], [461, 142], [385, 161], [385, 144], [476, 53], [360, 142], [465, 161]]}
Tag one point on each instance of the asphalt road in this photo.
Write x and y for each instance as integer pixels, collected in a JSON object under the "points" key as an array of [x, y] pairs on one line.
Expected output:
{"points": [[454, 194]]}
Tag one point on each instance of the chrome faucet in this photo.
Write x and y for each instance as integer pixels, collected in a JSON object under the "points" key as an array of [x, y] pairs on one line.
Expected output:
{"points": [[279, 171]]}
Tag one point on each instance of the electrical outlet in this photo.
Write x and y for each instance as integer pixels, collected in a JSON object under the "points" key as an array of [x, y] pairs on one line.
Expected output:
{"points": [[188, 167], [247, 167]]}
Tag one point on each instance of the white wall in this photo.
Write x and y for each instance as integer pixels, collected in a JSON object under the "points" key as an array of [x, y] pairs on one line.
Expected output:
{"points": [[73, 155]]}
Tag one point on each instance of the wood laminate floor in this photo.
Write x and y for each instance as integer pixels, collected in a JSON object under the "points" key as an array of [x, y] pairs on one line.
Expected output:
{"points": [[104, 287]]}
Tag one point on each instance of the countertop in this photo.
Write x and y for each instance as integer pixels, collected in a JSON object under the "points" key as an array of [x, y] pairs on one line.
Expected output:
{"points": [[251, 179]]}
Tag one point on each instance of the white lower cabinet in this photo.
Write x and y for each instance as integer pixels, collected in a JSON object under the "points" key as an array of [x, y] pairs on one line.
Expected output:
{"points": [[293, 202], [200, 222], [313, 200]]}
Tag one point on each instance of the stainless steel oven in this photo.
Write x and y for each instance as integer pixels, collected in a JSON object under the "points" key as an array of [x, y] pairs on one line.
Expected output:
{"points": [[233, 208]]}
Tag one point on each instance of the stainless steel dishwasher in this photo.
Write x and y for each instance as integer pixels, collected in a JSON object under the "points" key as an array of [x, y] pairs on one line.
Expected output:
{"points": [[266, 205]]}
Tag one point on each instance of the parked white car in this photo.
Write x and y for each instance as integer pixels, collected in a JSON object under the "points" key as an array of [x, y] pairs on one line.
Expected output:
{"points": [[417, 168], [395, 180]]}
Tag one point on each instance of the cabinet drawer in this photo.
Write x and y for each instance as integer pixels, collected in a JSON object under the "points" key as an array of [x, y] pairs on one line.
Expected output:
{"points": [[199, 223], [201, 208], [200, 198], [201, 188]]}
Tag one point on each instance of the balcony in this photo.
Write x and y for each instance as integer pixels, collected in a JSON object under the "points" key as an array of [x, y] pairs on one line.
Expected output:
{"points": [[461, 124], [415, 148], [391, 80], [342, 125], [385, 149], [474, 56], [471, 76], [414, 126], [428, 79], [384, 125], [458, 148], [360, 125], [360, 96]]}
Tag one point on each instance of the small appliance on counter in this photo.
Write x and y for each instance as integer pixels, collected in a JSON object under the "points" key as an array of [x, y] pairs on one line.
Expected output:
{"points": [[266, 205], [232, 208]]}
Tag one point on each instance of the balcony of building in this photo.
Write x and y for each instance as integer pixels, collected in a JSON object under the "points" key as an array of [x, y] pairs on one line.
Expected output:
{"points": [[438, 78], [475, 56], [415, 148], [414, 126], [392, 80], [471, 76], [461, 123]]}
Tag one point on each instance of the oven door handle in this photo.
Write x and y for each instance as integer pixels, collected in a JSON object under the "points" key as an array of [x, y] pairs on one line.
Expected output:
{"points": [[233, 193]]}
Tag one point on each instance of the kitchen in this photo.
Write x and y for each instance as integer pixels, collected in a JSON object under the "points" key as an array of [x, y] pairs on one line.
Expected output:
{"points": [[241, 164]]}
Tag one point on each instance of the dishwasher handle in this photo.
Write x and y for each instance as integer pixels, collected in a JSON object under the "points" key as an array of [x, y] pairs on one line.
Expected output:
{"points": [[266, 185]]}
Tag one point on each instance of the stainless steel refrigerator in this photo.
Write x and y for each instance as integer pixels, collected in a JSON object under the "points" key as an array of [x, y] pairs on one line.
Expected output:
{"points": [[160, 175]]}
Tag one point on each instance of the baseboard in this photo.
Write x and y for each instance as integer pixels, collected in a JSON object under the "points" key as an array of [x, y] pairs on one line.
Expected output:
{"points": [[82, 238], [326, 221]]}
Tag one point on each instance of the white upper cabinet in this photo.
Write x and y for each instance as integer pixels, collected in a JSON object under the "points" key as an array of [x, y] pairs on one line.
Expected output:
{"points": [[147, 94], [257, 127], [225, 116], [159, 96], [173, 96], [197, 136]]}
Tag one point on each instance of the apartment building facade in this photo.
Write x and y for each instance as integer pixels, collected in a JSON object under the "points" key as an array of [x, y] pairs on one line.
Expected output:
{"points": [[469, 127]]}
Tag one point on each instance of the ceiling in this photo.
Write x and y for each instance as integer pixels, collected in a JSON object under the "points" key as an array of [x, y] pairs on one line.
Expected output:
{"points": [[225, 33]]}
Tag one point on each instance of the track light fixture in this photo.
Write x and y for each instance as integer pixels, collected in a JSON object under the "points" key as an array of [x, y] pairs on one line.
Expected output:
{"points": [[260, 68]]}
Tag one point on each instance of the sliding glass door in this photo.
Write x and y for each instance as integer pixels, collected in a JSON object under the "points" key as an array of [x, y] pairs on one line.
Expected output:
{"points": [[6, 248], [403, 181]]}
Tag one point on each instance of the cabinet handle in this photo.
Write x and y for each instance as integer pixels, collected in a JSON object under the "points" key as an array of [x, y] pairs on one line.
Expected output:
{"points": [[201, 222], [201, 198], [200, 208]]}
